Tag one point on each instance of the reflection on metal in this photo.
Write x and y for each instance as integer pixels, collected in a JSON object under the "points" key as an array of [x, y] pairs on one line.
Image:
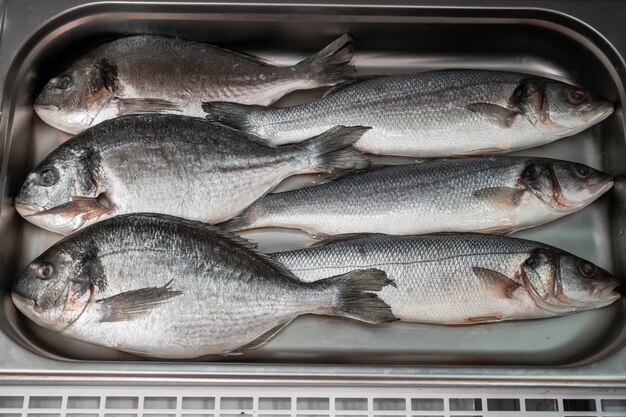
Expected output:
{"points": [[41, 37]]}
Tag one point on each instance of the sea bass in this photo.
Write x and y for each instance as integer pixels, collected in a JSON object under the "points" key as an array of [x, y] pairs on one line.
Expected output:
{"points": [[169, 288], [433, 114], [479, 194], [155, 74], [463, 278], [177, 165]]}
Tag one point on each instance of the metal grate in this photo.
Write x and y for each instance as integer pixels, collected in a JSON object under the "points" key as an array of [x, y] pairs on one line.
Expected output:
{"points": [[306, 401]]}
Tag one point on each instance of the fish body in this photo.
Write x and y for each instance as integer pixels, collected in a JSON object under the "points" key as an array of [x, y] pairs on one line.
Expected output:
{"points": [[432, 114], [169, 288], [478, 194], [463, 278], [168, 164], [155, 74]]}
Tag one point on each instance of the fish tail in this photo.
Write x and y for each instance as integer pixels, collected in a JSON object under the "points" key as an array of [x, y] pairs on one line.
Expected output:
{"points": [[353, 299], [331, 65], [332, 151], [234, 115], [242, 221]]}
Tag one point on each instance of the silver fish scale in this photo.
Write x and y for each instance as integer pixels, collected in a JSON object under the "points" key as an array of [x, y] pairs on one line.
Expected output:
{"points": [[422, 114], [184, 166], [433, 273], [229, 295], [155, 74], [433, 196], [193, 72], [175, 165]]}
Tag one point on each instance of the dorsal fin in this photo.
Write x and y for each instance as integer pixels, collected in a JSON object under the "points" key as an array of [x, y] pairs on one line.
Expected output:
{"points": [[275, 264], [243, 242], [200, 225], [225, 234], [245, 55], [340, 173], [350, 83], [344, 238]]}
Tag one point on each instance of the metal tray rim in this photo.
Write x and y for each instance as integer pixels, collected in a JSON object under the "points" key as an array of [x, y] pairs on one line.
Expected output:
{"points": [[312, 373]]}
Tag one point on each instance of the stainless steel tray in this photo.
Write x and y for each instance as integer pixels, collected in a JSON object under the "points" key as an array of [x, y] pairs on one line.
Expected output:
{"points": [[582, 348]]}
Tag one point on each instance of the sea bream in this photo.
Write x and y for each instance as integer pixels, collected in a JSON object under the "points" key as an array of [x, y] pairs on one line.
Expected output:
{"points": [[156, 74], [478, 194], [432, 114], [463, 278], [177, 165], [169, 288]]}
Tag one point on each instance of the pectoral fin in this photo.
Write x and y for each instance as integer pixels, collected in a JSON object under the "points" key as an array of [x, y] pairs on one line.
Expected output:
{"points": [[497, 281], [499, 115], [145, 105], [259, 341], [505, 197], [343, 238], [350, 83], [85, 207], [132, 304]]}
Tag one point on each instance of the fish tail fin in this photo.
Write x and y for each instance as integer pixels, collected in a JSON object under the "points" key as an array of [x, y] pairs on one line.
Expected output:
{"points": [[331, 65], [234, 115], [332, 151], [242, 221], [353, 299]]}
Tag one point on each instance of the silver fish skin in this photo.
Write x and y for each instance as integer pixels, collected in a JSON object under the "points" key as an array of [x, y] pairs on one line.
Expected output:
{"points": [[433, 114], [175, 165], [164, 287], [155, 74], [463, 278], [494, 195]]}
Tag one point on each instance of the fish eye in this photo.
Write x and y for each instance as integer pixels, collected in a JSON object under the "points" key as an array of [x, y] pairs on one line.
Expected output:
{"points": [[64, 82], [45, 270], [48, 177], [582, 171], [576, 97], [587, 270]]}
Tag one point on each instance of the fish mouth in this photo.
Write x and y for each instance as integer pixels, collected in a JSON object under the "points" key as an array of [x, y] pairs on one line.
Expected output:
{"points": [[600, 113], [601, 294], [595, 191], [604, 295], [32, 310], [30, 210], [608, 292], [39, 217], [27, 210], [22, 303], [45, 107], [602, 187]]}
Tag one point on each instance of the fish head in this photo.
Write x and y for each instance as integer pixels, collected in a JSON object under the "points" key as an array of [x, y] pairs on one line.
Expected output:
{"points": [[578, 184], [586, 283], [55, 288], [574, 109], [562, 283], [47, 195], [564, 186], [558, 109], [72, 100]]}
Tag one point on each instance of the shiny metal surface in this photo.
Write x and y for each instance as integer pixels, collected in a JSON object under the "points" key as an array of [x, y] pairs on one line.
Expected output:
{"points": [[39, 37]]}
